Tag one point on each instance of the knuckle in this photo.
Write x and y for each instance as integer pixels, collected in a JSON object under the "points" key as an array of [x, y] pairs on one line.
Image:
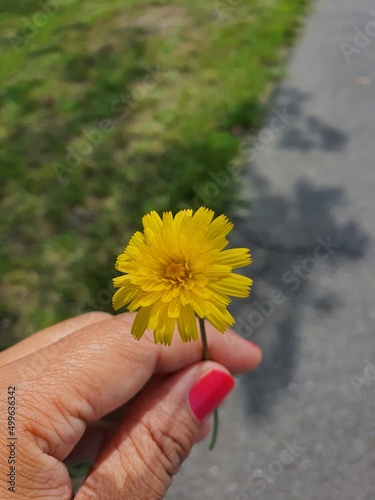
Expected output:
{"points": [[97, 316], [170, 440]]}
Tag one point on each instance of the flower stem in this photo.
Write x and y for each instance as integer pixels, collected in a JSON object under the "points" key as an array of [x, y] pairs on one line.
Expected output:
{"points": [[206, 357]]}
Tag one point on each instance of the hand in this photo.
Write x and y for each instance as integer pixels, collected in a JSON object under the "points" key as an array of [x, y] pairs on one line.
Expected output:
{"points": [[68, 378]]}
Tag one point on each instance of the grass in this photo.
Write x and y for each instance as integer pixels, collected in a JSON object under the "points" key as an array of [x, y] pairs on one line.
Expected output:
{"points": [[110, 109]]}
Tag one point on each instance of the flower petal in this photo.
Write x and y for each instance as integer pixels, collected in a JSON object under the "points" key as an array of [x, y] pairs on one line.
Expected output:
{"points": [[220, 227], [235, 257], [157, 311], [203, 216], [184, 296], [153, 222], [164, 332], [187, 324], [235, 285], [144, 299], [167, 220], [120, 281], [220, 318], [218, 271], [199, 306], [123, 296], [174, 308], [141, 321]]}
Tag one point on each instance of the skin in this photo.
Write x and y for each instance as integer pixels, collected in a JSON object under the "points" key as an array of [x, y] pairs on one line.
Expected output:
{"points": [[85, 388]]}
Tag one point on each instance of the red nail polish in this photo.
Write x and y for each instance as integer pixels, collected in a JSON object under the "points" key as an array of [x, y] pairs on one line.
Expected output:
{"points": [[209, 392]]}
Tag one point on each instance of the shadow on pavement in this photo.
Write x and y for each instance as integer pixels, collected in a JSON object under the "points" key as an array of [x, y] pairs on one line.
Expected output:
{"points": [[291, 239], [288, 265], [305, 132]]}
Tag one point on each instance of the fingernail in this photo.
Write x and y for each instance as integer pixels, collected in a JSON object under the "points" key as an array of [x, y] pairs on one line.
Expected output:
{"points": [[252, 344], [209, 392]]}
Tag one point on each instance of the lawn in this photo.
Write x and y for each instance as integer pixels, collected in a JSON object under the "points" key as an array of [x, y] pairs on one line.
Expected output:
{"points": [[110, 109]]}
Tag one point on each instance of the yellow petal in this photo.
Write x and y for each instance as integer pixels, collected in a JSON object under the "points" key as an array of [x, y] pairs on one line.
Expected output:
{"points": [[136, 242], [235, 285], [140, 323], [153, 222], [220, 227], [122, 297], [202, 292], [219, 299], [149, 236], [181, 218], [187, 324], [157, 311], [235, 257], [121, 281], [122, 263], [144, 299], [168, 294], [220, 318], [203, 216], [185, 295], [164, 332], [218, 271], [199, 306], [167, 220], [174, 308]]}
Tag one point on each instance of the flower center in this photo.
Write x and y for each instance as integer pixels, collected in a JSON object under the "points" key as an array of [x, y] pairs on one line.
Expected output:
{"points": [[177, 272]]}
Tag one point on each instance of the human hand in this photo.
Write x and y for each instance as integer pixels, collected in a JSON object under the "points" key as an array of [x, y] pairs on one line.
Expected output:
{"points": [[68, 378]]}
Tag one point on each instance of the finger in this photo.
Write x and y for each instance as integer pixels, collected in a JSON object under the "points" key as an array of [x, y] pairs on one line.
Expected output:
{"points": [[98, 433], [50, 335], [120, 413], [90, 373], [95, 437], [148, 449], [203, 431]]}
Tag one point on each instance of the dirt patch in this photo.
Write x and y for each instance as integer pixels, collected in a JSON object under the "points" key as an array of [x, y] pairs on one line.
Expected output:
{"points": [[164, 18]]}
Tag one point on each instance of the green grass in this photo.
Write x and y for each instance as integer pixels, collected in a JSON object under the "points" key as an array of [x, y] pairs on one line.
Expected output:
{"points": [[111, 109]]}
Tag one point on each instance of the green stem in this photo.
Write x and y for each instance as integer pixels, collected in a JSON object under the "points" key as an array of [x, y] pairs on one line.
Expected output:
{"points": [[206, 357], [215, 429]]}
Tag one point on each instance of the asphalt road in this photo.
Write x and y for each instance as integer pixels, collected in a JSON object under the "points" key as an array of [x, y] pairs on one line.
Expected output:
{"points": [[302, 425]]}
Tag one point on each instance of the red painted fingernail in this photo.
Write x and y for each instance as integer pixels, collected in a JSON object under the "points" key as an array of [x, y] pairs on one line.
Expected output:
{"points": [[209, 392]]}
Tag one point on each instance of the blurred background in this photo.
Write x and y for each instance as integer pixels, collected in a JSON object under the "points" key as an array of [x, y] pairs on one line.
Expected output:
{"points": [[111, 109], [261, 109]]}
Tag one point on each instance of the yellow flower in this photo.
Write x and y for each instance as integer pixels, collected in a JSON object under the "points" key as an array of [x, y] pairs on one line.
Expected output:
{"points": [[178, 267]]}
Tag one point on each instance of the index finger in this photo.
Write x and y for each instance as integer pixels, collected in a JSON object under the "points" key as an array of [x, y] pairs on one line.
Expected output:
{"points": [[50, 335]]}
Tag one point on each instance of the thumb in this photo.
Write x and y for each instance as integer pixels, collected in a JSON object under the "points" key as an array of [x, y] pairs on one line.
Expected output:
{"points": [[157, 435]]}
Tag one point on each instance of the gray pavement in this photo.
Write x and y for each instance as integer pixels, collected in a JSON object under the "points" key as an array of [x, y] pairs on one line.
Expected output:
{"points": [[302, 425]]}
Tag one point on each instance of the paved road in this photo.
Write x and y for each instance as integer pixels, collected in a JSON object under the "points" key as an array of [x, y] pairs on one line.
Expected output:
{"points": [[302, 426]]}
